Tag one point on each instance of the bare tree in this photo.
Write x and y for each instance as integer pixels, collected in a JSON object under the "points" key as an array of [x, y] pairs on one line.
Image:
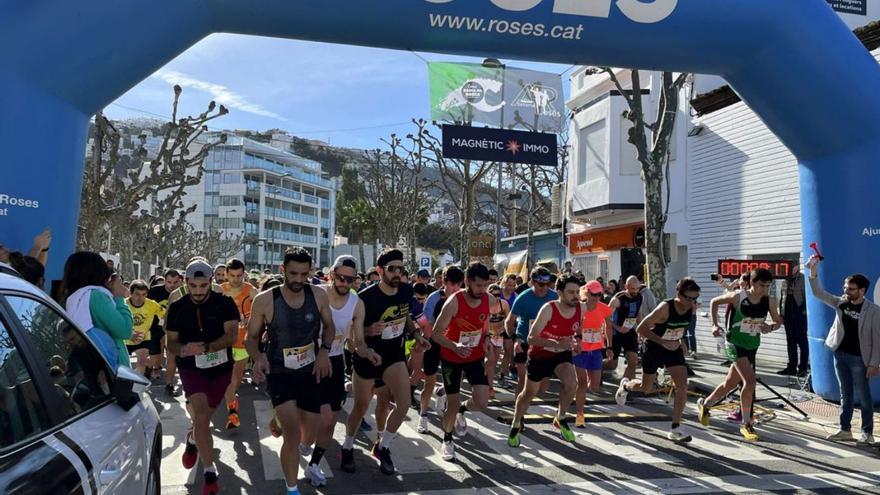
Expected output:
{"points": [[116, 187], [652, 143], [458, 179]]}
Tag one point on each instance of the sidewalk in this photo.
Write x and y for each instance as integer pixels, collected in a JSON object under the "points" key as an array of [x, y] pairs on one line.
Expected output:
{"points": [[710, 372]]}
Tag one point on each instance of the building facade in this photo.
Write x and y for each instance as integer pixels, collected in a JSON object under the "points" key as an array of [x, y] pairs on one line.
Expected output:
{"points": [[273, 197]]}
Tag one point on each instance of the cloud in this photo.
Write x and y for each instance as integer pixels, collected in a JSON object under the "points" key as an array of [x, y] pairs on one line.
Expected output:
{"points": [[221, 94]]}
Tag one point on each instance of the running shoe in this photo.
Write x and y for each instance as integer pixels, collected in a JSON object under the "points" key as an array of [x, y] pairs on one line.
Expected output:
{"points": [[564, 430], [840, 436], [579, 421], [233, 421], [305, 450], [749, 433], [865, 439], [191, 452], [513, 440], [211, 486], [461, 426], [440, 402], [347, 463], [423, 424], [447, 451], [365, 426], [386, 465], [171, 391], [375, 448], [620, 395], [679, 434], [316, 475], [703, 411], [275, 427]]}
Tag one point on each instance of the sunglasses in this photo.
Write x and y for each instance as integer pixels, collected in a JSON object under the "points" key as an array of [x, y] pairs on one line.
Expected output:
{"points": [[691, 299], [394, 268], [346, 279], [421, 298], [595, 294], [541, 284]]}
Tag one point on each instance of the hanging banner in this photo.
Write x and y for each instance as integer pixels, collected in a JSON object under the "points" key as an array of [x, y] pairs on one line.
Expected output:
{"points": [[501, 97], [857, 7], [499, 145]]}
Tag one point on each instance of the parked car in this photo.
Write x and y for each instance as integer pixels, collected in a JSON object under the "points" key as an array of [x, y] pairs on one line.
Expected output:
{"points": [[68, 422]]}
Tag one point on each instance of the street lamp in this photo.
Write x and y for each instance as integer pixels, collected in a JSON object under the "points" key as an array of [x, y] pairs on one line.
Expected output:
{"points": [[494, 63]]}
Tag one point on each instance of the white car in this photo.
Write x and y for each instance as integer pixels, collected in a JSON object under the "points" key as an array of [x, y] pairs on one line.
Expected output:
{"points": [[68, 423]]}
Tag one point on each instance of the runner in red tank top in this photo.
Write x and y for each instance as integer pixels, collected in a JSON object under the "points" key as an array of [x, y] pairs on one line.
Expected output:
{"points": [[461, 331], [551, 345]]}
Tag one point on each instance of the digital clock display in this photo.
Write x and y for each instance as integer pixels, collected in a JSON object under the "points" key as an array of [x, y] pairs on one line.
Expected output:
{"points": [[732, 268]]}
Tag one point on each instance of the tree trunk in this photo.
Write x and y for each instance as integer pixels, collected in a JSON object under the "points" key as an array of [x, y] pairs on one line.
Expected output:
{"points": [[363, 264], [654, 223]]}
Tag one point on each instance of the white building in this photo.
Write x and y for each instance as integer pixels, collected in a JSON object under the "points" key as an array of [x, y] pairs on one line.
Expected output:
{"points": [[733, 185]]}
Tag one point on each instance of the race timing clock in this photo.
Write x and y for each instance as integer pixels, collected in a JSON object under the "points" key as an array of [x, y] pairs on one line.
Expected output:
{"points": [[733, 268]]}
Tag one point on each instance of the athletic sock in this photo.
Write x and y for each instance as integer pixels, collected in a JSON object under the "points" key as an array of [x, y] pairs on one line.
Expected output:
{"points": [[317, 454], [746, 416], [387, 438], [191, 438], [211, 469], [292, 490], [348, 444], [447, 436], [463, 409]]}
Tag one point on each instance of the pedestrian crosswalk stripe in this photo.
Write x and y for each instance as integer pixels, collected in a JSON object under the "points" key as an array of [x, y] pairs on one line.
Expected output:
{"points": [[270, 447], [620, 417]]}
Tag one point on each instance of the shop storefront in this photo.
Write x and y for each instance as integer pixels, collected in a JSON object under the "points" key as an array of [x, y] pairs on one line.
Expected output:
{"points": [[609, 252]]}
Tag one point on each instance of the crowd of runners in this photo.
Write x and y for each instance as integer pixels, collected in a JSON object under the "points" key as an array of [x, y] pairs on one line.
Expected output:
{"points": [[317, 340]]}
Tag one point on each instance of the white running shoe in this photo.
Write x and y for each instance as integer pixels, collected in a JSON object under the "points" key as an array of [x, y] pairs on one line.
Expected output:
{"points": [[680, 434], [461, 426], [440, 404], [840, 436], [447, 451], [423, 424], [865, 439], [620, 395], [316, 475], [305, 450]]}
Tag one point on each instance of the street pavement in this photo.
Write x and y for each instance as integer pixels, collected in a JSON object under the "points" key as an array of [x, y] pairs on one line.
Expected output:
{"points": [[622, 450]]}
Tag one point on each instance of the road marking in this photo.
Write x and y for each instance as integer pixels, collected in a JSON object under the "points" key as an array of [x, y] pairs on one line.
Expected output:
{"points": [[673, 486], [529, 455], [411, 450], [270, 447]]}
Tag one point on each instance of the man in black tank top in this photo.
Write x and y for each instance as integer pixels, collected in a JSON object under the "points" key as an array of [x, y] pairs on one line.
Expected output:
{"points": [[294, 363], [629, 310], [663, 329]]}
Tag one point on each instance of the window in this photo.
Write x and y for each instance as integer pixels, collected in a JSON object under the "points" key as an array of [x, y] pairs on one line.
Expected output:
{"points": [[591, 155], [78, 371], [22, 414]]}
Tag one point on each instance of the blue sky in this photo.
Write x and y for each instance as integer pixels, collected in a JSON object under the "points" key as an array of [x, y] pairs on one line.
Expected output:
{"points": [[347, 95]]}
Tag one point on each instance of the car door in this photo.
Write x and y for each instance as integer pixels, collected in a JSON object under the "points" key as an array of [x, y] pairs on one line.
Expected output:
{"points": [[32, 459], [109, 441]]}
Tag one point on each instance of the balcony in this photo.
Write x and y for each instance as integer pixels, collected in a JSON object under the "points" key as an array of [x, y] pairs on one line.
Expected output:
{"points": [[276, 235], [325, 223], [275, 213], [325, 204]]}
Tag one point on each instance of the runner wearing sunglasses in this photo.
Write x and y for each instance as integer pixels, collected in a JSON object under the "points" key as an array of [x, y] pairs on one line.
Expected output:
{"points": [[664, 329], [523, 312]]}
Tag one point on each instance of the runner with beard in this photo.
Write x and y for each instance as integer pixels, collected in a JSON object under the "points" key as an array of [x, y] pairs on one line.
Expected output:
{"points": [[295, 362], [201, 328], [552, 343], [461, 333], [629, 310], [663, 330], [387, 306], [348, 313], [523, 313]]}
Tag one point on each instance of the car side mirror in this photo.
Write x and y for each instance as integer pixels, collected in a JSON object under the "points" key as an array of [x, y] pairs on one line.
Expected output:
{"points": [[128, 387]]}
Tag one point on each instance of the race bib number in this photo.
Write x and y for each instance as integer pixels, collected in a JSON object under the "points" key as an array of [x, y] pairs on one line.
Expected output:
{"points": [[555, 349], [629, 323], [211, 359], [299, 357], [592, 336], [673, 334], [392, 330], [751, 327], [338, 346], [470, 339], [497, 341]]}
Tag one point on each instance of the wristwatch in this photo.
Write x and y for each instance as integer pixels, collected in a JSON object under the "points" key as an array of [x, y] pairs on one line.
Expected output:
{"points": [[326, 346]]}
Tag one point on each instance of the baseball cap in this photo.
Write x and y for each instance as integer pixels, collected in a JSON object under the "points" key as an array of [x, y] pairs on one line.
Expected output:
{"points": [[199, 269], [594, 287], [423, 273]]}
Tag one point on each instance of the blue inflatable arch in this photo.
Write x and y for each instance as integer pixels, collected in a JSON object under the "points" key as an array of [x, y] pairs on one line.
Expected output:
{"points": [[793, 61]]}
